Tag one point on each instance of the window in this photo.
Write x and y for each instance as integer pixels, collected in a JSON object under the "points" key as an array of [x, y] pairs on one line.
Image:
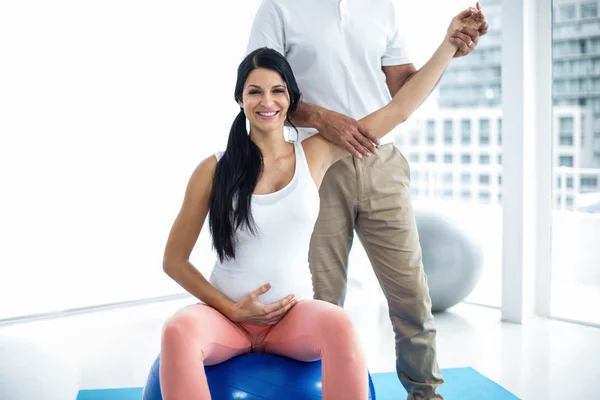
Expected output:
{"points": [[589, 9], [484, 179], [565, 161], [466, 112], [499, 159], [484, 131], [430, 131], [399, 140], [596, 126], [575, 289], [500, 180], [414, 157], [583, 49], [566, 129], [590, 182], [100, 268], [566, 12], [566, 139], [484, 159], [470, 93], [448, 131], [465, 131], [414, 138], [484, 197], [499, 130], [430, 157]]}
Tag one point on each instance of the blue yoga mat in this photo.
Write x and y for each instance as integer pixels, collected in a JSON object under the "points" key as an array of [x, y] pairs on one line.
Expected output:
{"points": [[460, 384]]}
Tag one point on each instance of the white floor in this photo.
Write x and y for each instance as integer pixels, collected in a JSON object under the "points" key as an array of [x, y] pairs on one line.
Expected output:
{"points": [[543, 359]]}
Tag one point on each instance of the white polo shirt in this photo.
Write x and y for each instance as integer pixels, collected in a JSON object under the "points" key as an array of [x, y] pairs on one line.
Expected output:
{"points": [[336, 48]]}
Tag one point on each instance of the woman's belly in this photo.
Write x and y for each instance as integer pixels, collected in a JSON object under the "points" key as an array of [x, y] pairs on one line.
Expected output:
{"points": [[237, 283]]}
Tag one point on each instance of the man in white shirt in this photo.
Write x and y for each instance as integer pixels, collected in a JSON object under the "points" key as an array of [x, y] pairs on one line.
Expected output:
{"points": [[349, 58]]}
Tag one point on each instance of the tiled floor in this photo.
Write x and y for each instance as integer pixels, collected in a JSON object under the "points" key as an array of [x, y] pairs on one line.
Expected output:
{"points": [[541, 360]]}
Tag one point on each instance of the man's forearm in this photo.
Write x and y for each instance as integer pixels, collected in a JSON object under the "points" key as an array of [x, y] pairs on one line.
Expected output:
{"points": [[308, 116]]}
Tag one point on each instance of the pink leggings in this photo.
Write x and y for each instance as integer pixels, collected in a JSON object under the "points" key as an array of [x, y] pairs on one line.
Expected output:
{"points": [[198, 335]]}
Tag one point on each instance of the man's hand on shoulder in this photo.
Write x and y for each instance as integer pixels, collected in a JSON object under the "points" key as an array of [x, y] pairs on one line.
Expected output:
{"points": [[347, 133]]}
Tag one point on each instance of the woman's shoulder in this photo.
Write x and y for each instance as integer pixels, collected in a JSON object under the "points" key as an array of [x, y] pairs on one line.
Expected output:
{"points": [[210, 162], [204, 171], [315, 147]]}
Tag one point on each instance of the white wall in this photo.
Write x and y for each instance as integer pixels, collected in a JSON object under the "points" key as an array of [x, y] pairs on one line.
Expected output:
{"points": [[106, 108]]}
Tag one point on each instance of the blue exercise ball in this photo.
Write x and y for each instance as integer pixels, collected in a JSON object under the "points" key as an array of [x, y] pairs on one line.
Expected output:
{"points": [[256, 376]]}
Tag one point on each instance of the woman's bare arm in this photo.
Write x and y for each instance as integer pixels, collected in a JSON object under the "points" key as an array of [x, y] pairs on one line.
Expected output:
{"points": [[321, 153], [184, 235]]}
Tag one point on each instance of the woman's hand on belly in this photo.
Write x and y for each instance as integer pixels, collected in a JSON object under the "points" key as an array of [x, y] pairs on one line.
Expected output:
{"points": [[250, 310]]}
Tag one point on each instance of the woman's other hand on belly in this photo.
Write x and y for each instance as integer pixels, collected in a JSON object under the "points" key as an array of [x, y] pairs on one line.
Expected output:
{"points": [[251, 311]]}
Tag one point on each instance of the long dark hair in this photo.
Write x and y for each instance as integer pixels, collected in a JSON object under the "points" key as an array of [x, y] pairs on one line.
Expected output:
{"points": [[240, 167]]}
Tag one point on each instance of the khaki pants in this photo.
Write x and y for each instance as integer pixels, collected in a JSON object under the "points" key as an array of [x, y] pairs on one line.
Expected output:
{"points": [[371, 196]]}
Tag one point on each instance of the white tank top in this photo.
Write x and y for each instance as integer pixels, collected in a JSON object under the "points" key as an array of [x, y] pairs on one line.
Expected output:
{"points": [[278, 252]]}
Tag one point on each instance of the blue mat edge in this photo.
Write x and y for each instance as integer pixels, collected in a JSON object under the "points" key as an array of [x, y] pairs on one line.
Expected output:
{"points": [[388, 386], [378, 377]]}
